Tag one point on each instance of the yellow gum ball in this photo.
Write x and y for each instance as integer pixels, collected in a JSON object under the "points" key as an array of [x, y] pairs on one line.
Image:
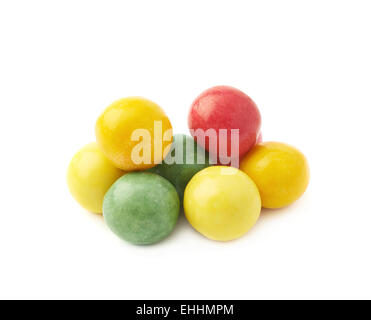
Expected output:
{"points": [[134, 133], [280, 172], [222, 203], [89, 176]]}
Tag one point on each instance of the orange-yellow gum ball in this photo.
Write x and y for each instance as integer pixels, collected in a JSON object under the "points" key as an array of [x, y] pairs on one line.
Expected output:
{"points": [[89, 176], [222, 203], [280, 171], [134, 133]]}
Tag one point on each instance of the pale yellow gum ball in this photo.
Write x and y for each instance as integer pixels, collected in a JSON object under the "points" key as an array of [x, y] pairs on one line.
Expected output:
{"points": [[280, 171], [222, 203], [89, 176]]}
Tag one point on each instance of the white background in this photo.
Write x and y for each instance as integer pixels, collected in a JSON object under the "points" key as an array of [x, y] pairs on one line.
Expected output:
{"points": [[307, 65]]}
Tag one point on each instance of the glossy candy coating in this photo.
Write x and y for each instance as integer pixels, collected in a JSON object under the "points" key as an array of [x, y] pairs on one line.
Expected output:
{"points": [[228, 108], [90, 174], [116, 125], [222, 203], [280, 171], [177, 173], [141, 208]]}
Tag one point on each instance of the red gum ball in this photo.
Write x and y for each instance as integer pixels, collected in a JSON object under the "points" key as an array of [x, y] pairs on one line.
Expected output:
{"points": [[228, 108]]}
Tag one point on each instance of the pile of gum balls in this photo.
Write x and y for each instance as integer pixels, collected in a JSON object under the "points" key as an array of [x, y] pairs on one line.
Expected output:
{"points": [[141, 202]]}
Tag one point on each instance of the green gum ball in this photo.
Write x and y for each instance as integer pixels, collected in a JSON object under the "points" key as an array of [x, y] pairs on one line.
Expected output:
{"points": [[181, 163], [141, 207]]}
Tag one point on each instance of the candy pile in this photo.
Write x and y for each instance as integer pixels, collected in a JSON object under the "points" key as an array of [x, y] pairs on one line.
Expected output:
{"points": [[140, 176]]}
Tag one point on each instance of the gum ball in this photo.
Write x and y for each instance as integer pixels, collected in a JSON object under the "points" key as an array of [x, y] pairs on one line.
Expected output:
{"points": [[280, 171], [224, 107], [222, 203], [89, 175], [181, 163], [128, 127], [141, 208]]}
